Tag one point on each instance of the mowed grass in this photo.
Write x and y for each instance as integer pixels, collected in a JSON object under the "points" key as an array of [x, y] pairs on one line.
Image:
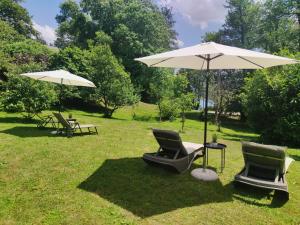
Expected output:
{"points": [[101, 179]]}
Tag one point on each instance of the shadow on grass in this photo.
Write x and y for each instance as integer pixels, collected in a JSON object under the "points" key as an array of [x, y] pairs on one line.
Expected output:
{"points": [[103, 117], [295, 157], [145, 118], [17, 120], [253, 195], [237, 137], [26, 132], [146, 191]]}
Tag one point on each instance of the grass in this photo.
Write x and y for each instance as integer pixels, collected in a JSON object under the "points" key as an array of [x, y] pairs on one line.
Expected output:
{"points": [[48, 179]]}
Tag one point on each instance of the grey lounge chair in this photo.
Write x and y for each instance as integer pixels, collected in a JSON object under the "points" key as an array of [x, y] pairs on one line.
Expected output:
{"points": [[172, 152], [72, 126], [265, 167]]}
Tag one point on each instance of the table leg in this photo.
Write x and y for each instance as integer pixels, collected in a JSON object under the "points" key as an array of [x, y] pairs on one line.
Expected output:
{"points": [[224, 156], [206, 156]]}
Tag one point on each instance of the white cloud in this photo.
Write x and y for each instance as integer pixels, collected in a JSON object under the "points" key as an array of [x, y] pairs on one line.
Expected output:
{"points": [[179, 43], [47, 33], [199, 12]]}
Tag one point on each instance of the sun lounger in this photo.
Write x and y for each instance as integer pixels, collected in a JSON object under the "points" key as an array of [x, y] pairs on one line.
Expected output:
{"points": [[45, 120], [172, 152], [265, 166], [72, 126]]}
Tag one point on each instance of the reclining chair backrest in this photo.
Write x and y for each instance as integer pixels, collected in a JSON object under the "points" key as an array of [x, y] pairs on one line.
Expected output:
{"points": [[265, 155], [62, 120], [169, 140]]}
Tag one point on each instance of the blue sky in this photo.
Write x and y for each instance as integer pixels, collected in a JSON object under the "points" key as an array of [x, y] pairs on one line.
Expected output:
{"points": [[193, 17]]}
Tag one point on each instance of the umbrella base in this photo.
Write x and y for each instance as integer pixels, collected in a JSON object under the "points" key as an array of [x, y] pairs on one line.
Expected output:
{"points": [[204, 174]]}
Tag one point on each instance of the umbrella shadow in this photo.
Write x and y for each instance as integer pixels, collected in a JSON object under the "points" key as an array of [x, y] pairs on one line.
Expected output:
{"points": [[17, 120], [255, 196], [146, 191], [25, 132], [295, 157]]}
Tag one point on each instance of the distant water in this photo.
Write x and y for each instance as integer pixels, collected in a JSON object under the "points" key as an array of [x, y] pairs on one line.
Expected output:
{"points": [[201, 105]]}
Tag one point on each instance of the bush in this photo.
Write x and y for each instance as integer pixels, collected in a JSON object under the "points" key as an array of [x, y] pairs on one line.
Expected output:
{"points": [[169, 110], [272, 105], [26, 95]]}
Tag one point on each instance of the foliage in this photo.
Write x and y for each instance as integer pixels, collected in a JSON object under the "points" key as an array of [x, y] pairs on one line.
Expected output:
{"points": [[17, 17], [271, 102], [76, 61], [224, 92], [168, 109], [279, 28], [185, 103], [183, 99], [269, 25], [214, 138], [161, 87], [26, 95], [114, 88], [28, 51], [136, 28], [8, 33]]}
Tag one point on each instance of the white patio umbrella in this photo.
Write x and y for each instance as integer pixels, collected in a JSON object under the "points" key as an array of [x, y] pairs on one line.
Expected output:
{"points": [[60, 77], [213, 56]]}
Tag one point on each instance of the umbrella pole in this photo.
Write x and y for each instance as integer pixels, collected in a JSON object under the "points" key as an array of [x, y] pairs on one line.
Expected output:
{"points": [[205, 116], [60, 95], [203, 173]]}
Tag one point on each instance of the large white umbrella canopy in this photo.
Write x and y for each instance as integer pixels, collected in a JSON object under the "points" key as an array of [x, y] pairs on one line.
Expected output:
{"points": [[60, 77], [213, 56]]}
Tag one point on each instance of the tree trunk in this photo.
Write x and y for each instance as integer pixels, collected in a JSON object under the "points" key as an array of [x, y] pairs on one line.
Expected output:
{"points": [[182, 121], [159, 108]]}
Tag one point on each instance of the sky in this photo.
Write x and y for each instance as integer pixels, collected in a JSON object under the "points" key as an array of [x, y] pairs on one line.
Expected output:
{"points": [[193, 17]]}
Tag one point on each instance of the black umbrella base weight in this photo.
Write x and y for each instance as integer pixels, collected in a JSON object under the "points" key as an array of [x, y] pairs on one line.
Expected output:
{"points": [[204, 174]]}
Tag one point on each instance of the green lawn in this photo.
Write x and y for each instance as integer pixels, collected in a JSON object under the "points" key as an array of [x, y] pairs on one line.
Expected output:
{"points": [[48, 179]]}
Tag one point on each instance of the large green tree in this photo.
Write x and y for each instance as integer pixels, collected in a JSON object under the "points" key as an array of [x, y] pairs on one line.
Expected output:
{"points": [[137, 28], [18, 17], [114, 87], [279, 26]]}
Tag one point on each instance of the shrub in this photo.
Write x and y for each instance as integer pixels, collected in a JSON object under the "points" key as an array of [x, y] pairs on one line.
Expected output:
{"points": [[26, 95], [169, 109], [272, 105]]}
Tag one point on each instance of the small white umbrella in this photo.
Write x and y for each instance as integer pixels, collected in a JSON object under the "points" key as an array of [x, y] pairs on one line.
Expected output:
{"points": [[213, 56], [60, 77]]}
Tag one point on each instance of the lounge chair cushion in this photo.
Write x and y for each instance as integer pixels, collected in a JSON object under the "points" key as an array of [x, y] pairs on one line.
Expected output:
{"points": [[88, 126], [191, 147]]}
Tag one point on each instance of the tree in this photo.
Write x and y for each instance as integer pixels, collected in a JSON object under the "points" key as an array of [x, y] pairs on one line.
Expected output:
{"points": [[278, 26], [161, 88], [17, 17], [75, 26], [76, 61], [114, 88], [137, 28], [185, 103], [183, 98]]}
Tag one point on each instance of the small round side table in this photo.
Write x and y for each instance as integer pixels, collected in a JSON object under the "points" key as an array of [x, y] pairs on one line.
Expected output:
{"points": [[217, 146]]}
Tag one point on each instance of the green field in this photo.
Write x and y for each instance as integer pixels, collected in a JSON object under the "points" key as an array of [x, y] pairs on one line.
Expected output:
{"points": [[48, 179]]}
